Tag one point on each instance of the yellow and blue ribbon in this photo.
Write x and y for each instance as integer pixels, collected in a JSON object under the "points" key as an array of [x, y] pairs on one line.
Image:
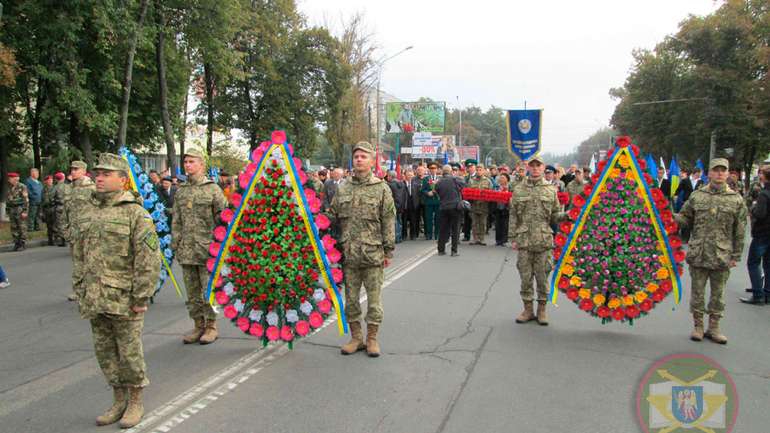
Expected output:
{"points": [[657, 224]]}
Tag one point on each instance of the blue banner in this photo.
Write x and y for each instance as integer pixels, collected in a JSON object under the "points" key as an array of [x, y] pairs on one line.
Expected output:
{"points": [[524, 132]]}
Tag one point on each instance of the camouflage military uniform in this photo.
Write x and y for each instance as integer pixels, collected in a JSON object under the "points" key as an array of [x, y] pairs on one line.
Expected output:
{"points": [[197, 204], [59, 196], [479, 209], [364, 209], [48, 212], [575, 187], [717, 218], [534, 207], [77, 196], [18, 204]]}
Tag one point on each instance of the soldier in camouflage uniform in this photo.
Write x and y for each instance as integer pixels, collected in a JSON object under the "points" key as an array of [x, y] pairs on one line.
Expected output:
{"points": [[534, 208], [119, 247], [479, 208], [18, 207], [197, 204], [363, 207], [76, 195], [47, 208], [716, 216], [59, 196], [576, 185]]}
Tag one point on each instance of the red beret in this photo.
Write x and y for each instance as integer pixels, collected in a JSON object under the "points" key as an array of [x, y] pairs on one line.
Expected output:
{"points": [[59, 175], [48, 177], [13, 174]]}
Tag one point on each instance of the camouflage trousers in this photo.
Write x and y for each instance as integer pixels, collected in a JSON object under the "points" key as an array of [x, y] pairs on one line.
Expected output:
{"points": [[718, 278], [537, 265], [18, 226], [479, 225], [58, 222], [118, 348], [33, 215], [372, 278], [196, 279]]}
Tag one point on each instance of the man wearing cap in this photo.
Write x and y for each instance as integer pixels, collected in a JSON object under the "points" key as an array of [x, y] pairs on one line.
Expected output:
{"points": [[479, 208], [76, 195], [59, 197], [534, 208], [118, 245], [431, 201], [46, 206], [716, 216], [18, 208], [550, 177], [363, 207], [576, 185], [197, 205]]}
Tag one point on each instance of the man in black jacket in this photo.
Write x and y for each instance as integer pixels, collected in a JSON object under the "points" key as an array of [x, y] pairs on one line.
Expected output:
{"points": [[400, 197], [663, 183], [683, 191], [412, 214], [448, 189], [759, 250]]}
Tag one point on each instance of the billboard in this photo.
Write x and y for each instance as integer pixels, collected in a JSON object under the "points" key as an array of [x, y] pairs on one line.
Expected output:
{"points": [[429, 146], [414, 117]]}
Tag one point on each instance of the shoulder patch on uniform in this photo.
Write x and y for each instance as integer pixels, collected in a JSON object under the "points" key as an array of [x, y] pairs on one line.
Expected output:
{"points": [[151, 240]]}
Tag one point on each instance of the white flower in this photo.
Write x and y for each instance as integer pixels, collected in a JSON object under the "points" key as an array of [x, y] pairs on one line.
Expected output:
{"points": [[319, 295], [238, 305], [306, 308], [291, 316], [321, 281], [255, 315], [225, 271], [272, 318], [229, 289]]}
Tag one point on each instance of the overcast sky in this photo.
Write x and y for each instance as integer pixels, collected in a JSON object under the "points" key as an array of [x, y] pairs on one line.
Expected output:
{"points": [[561, 56]]}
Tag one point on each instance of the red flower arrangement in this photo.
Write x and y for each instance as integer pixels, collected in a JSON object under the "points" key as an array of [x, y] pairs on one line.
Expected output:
{"points": [[623, 258]]}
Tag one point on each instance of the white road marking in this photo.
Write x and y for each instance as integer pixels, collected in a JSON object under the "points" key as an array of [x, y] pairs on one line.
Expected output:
{"points": [[178, 409]]}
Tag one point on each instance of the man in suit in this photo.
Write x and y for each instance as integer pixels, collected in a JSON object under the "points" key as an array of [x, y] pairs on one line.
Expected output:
{"points": [[412, 214], [470, 167], [431, 200], [663, 183], [331, 185], [166, 193], [400, 197]]}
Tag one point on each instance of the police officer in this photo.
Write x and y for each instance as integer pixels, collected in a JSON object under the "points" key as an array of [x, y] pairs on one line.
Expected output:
{"points": [[716, 216], [197, 204], [119, 247], [534, 208], [364, 209], [479, 208], [76, 195], [18, 208]]}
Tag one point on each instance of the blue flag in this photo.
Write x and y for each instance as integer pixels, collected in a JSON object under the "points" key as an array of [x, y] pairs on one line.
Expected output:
{"points": [[703, 176], [523, 128], [673, 175], [652, 167]]}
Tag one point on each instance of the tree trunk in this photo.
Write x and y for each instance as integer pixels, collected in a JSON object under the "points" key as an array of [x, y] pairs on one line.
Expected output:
{"points": [[168, 134], [85, 147], [3, 168], [209, 78], [121, 141]]}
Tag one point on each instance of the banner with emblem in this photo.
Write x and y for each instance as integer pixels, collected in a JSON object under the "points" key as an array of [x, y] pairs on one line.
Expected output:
{"points": [[523, 128]]}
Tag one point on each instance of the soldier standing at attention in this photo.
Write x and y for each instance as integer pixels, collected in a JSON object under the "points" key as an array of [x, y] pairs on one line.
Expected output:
{"points": [[534, 209], [479, 209], [363, 207], [197, 204], [59, 196], [18, 208], [76, 195], [47, 207], [716, 216], [120, 250]]}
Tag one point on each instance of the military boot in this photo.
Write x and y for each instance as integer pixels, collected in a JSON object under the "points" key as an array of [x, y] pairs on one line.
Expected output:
{"points": [[210, 332], [697, 332], [16, 246], [372, 346], [527, 315], [356, 342], [115, 412], [195, 335], [134, 410], [72, 297], [713, 333], [542, 316]]}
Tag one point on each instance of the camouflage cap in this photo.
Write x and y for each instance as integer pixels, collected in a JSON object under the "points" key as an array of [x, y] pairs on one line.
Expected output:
{"points": [[537, 158], [365, 146], [112, 162], [719, 162], [79, 164], [195, 153]]}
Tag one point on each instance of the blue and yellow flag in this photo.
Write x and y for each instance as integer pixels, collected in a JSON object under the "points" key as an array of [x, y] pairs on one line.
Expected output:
{"points": [[673, 175], [523, 128]]}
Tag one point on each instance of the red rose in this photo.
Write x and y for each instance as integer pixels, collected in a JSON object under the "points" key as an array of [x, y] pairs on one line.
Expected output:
{"points": [[565, 227], [578, 201], [632, 311], [557, 253], [563, 283], [618, 314], [666, 285], [661, 204], [273, 333], [672, 228], [643, 164], [666, 215], [316, 320], [574, 213], [563, 197], [286, 333], [603, 311], [256, 330], [302, 328], [623, 141], [646, 305], [659, 295], [572, 294], [675, 241], [679, 256], [595, 178], [243, 323], [648, 179], [586, 305], [600, 166], [560, 239]]}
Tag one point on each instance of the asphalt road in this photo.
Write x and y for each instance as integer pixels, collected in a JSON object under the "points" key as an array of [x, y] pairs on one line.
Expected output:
{"points": [[454, 360]]}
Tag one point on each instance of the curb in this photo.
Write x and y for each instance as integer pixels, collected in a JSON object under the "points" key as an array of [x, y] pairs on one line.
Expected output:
{"points": [[7, 248]]}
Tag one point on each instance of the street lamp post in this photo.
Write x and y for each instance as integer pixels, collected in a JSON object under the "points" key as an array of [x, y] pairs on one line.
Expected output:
{"points": [[379, 78]]}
